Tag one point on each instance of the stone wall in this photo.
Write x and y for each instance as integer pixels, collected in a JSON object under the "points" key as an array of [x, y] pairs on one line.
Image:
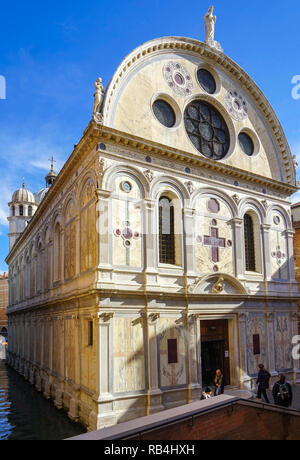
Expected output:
{"points": [[236, 422]]}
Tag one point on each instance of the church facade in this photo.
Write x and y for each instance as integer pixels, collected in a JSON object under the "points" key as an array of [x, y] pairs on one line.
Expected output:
{"points": [[164, 248]]}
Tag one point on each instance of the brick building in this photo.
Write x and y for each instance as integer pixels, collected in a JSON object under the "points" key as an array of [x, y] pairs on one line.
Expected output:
{"points": [[3, 303], [296, 225]]}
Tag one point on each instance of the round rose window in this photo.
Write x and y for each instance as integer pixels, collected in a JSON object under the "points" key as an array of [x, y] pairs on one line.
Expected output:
{"points": [[207, 129]]}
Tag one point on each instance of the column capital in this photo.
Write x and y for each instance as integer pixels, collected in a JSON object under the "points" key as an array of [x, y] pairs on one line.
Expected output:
{"points": [[270, 316], [237, 221], [105, 317], [153, 317], [189, 212], [100, 193], [243, 316], [265, 227], [149, 203], [290, 232]]}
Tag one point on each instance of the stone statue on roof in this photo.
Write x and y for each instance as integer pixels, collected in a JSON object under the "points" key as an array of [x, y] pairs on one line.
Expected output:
{"points": [[210, 21], [98, 99]]}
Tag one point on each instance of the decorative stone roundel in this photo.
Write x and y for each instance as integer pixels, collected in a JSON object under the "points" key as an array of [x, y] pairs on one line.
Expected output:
{"points": [[213, 206], [178, 78], [236, 105]]}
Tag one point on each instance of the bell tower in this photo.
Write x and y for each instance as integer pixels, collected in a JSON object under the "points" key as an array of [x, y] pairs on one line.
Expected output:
{"points": [[51, 176], [22, 207]]}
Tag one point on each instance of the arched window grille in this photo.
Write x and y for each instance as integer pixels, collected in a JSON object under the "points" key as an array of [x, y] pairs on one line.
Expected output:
{"points": [[166, 231], [13, 211], [21, 210], [249, 244], [56, 255]]}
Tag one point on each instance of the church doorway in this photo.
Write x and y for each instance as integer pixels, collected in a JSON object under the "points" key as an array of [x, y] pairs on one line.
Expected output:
{"points": [[214, 350]]}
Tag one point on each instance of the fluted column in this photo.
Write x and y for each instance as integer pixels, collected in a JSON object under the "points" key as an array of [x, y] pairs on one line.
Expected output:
{"points": [[189, 241], [151, 255], [103, 396], [74, 402], [238, 247], [243, 378], [296, 342], [290, 236], [266, 251], [154, 393], [271, 343]]}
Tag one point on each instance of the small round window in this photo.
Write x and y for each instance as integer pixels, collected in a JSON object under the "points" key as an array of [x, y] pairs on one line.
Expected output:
{"points": [[207, 81], [126, 186], [246, 144], [276, 220], [164, 113]]}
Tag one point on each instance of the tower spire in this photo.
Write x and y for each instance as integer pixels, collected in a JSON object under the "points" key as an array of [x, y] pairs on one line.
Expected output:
{"points": [[52, 162], [51, 176]]}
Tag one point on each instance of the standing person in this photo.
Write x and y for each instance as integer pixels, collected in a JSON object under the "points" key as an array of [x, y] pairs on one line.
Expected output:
{"points": [[263, 380], [282, 392], [219, 383]]}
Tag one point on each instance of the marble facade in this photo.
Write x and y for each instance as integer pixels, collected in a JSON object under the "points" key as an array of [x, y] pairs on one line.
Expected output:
{"points": [[92, 311]]}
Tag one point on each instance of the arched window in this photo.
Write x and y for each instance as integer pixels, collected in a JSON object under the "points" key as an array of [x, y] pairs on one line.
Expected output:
{"points": [[21, 210], [166, 231], [249, 244], [39, 272], [56, 253], [30, 211], [13, 211]]}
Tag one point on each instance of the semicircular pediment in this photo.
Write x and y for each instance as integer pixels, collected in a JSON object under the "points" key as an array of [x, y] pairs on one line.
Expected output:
{"points": [[167, 69], [219, 283]]}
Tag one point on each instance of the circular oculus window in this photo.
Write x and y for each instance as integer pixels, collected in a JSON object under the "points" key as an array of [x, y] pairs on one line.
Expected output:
{"points": [[246, 144], [276, 220], [206, 81], [126, 186], [207, 129], [164, 113]]}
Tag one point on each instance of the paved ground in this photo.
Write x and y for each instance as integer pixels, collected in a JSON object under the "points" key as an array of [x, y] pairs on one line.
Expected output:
{"points": [[296, 397]]}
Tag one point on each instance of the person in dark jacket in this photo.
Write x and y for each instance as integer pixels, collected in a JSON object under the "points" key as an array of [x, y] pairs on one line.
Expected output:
{"points": [[219, 383], [262, 381], [282, 392]]}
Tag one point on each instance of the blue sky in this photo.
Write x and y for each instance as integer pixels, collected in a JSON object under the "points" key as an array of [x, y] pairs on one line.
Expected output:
{"points": [[52, 52]]}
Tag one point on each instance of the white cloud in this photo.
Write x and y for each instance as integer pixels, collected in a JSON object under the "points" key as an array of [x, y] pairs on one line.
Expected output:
{"points": [[5, 197], [295, 198], [26, 157]]}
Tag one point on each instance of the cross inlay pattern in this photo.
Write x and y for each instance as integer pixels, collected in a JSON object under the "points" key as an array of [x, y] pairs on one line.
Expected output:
{"points": [[127, 235], [215, 243], [278, 255]]}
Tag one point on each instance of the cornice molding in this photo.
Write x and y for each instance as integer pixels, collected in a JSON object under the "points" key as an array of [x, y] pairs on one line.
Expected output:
{"points": [[95, 133]]}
